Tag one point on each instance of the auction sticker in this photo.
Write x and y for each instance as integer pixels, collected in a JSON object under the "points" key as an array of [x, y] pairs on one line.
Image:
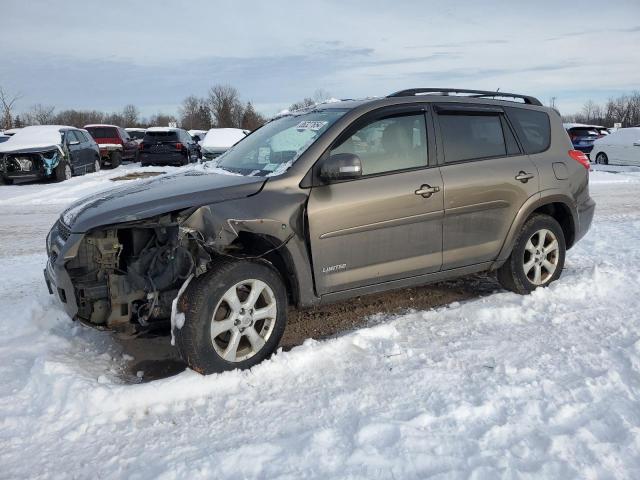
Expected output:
{"points": [[310, 125]]}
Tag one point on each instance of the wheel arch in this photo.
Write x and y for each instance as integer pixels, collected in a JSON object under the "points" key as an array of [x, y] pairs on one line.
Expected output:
{"points": [[556, 205], [250, 245]]}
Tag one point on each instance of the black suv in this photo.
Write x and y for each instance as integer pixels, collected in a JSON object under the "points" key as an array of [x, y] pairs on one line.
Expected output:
{"points": [[168, 146], [325, 204]]}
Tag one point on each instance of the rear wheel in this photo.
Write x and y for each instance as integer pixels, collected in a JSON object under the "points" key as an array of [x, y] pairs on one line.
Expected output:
{"points": [[602, 159], [537, 258], [115, 159], [235, 316], [63, 171]]}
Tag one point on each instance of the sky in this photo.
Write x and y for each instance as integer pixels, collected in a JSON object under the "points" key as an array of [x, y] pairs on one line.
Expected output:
{"points": [[92, 54]]}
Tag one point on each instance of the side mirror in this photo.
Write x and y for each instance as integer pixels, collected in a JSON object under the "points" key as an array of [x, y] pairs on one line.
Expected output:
{"points": [[341, 166], [74, 142]]}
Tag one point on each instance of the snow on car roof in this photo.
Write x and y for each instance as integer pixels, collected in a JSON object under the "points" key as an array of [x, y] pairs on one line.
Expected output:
{"points": [[222, 137], [100, 125], [38, 136], [568, 126], [134, 129], [162, 129]]}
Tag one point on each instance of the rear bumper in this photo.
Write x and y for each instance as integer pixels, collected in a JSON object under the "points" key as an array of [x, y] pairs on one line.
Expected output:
{"points": [[162, 158], [585, 210]]}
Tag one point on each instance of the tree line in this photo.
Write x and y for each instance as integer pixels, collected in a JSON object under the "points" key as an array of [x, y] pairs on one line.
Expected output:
{"points": [[624, 109], [221, 108]]}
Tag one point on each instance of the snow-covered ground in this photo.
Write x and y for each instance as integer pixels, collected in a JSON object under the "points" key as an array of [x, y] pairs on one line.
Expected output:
{"points": [[544, 386]]}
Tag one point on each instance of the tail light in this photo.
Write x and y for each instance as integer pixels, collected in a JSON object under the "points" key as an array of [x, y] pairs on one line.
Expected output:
{"points": [[581, 158], [178, 146]]}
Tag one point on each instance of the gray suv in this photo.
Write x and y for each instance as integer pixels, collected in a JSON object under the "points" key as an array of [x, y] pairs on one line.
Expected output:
{"points": [[324, 204]]}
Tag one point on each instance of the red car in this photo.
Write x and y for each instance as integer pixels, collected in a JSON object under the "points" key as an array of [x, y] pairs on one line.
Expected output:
{"points": [[115, 144]]}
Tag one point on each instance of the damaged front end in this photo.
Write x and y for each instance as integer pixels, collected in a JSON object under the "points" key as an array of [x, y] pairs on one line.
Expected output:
{"points": [[127, 275], [30, 164]]}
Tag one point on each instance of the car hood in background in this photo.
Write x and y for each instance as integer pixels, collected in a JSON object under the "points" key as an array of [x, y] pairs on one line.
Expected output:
{"points": [[163, 194]]}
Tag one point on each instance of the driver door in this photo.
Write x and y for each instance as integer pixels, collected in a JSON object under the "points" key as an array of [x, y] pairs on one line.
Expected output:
{"points": [[378, 228], [74, 145]]}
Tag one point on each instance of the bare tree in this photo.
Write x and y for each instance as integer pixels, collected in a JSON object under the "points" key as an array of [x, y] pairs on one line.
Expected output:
{"points": [[194, 114], [225, 106], [321, 95], [251, 119], [7, 102], [304, 103], [161, 120], [130, 116], [40, 115]]}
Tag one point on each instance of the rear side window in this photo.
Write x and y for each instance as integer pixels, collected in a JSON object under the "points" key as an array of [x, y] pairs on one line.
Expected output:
{"points": [[171, 136], [532, 127], [468, 137], [103, 132], [71, 136]]}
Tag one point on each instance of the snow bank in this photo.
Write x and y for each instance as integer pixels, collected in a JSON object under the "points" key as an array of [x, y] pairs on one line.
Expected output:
{"points": [[544, 386]]}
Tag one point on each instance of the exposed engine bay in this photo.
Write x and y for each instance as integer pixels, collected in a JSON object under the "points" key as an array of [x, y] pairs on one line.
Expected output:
{"points": [[133, 272], [41, 163]]}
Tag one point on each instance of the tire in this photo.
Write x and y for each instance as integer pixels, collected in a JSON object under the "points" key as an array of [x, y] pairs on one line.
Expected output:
{"points": [[63, 171], [115, 159], [5, 181], [602, 159], [255, 339], [96, 164], [530, 264]]}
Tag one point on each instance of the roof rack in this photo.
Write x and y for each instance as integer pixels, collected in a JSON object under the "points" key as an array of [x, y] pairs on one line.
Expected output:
{"points": [[472, 93]]}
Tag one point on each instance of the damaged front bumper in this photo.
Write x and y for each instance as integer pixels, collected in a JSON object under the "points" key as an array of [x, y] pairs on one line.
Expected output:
{"points": [[30, 165]]}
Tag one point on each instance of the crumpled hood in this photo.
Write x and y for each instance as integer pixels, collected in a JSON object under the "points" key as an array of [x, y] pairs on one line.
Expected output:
{"points": [[160, 195]]}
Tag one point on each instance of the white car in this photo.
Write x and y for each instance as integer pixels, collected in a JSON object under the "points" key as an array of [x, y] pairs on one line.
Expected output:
{"points": [[621, 147], [219, 140]]}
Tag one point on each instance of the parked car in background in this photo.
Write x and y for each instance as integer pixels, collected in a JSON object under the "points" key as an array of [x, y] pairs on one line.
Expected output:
{"points": [[115, 144], [582, 135], [621, 147], [11, 131], [48, 151], [219, 140], [198, 133], [136, 134], [168, 146]]}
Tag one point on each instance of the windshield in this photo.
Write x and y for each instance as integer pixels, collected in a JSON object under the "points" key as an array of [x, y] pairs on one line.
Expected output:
{"points": [[135, 134], [272, 149]]}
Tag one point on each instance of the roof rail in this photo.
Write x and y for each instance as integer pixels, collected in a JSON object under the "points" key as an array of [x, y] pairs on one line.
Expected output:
{"points": [[472, 93]]}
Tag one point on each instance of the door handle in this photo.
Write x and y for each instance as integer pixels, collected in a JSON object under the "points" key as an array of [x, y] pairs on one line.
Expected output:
{"points": [[426, 190], [524, 177]]}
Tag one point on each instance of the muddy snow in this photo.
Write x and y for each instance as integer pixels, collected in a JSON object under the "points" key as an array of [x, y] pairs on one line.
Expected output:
{"points": [[546, 385]]}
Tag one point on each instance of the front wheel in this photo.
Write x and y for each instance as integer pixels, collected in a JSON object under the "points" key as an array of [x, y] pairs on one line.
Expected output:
{"points": [[602, 159], [537, 258], [63, 171], [234, 316]]}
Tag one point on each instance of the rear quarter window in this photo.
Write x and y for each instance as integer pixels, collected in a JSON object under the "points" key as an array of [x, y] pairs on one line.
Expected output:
{"points": [[532, 127]]}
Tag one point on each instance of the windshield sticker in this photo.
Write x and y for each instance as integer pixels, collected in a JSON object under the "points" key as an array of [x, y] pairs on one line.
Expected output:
{"points": [[270, 167], [264, 153], [310, 125]]}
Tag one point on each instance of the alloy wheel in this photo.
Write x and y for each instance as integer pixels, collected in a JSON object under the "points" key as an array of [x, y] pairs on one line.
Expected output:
{"points": [[243, 320], [541, 256]]}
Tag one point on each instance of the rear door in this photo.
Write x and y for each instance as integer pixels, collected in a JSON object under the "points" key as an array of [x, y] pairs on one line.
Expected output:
{"points": [[379, 227], [487, 178]]}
